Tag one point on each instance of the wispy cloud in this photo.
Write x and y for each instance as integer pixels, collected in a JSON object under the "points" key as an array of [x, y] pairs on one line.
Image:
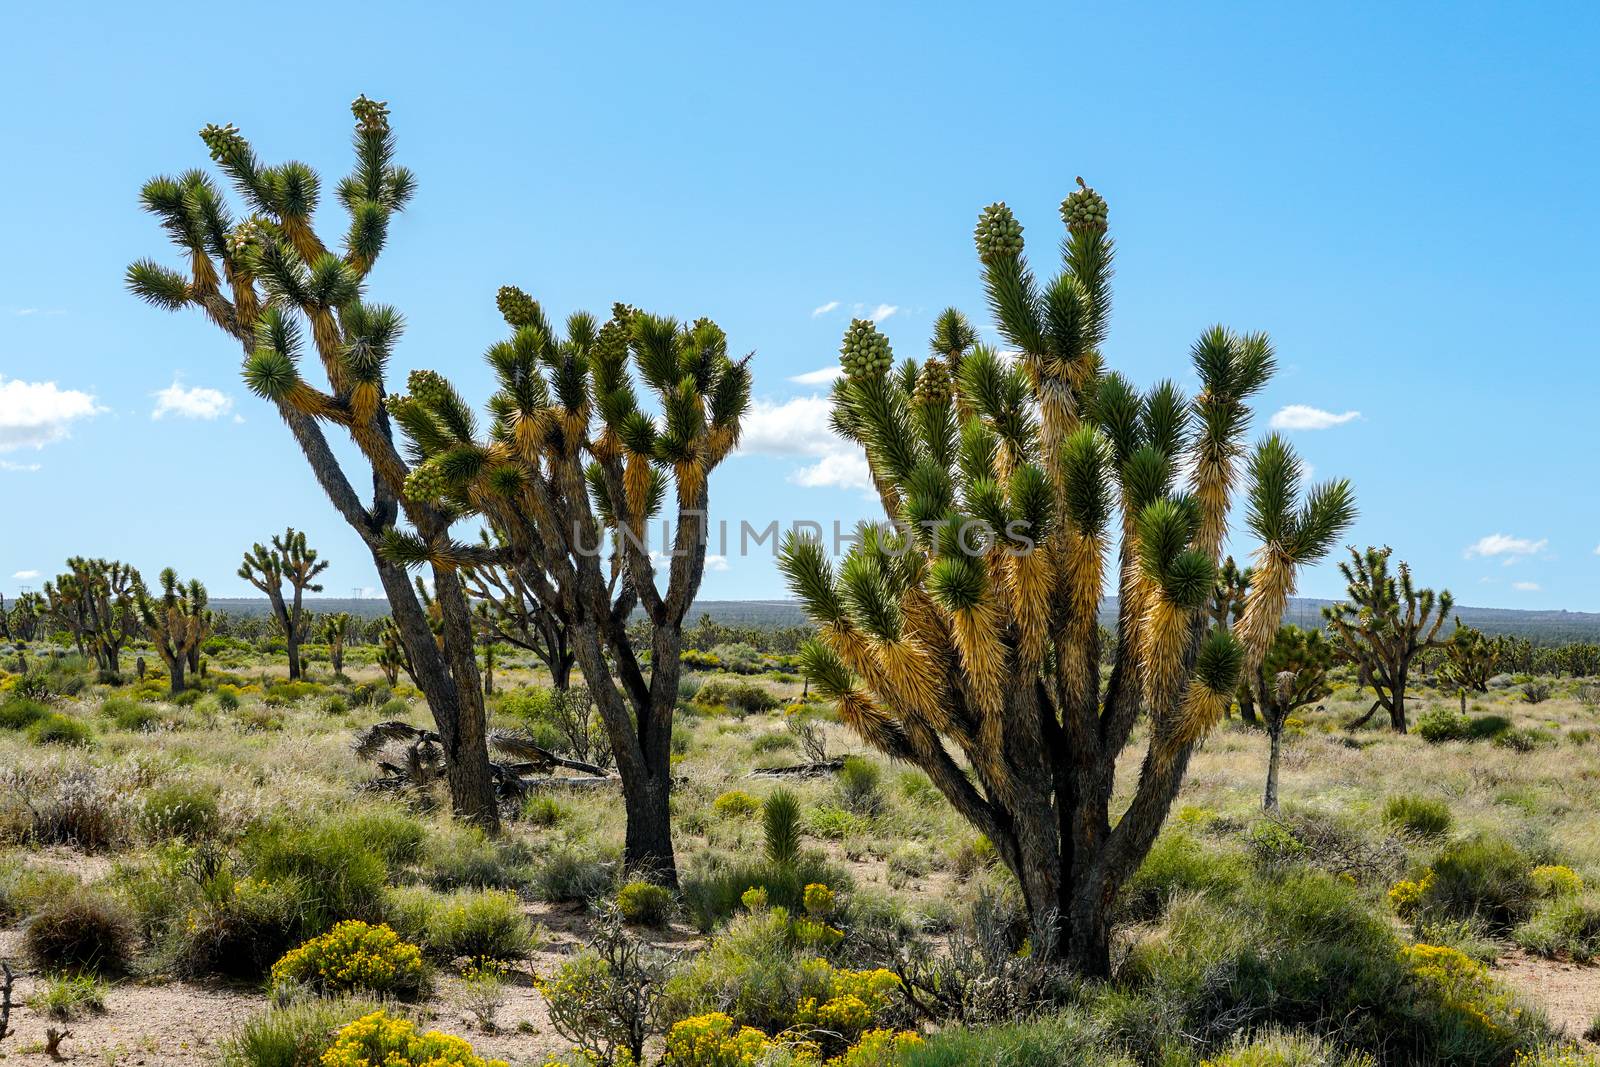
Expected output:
{"points": [[882, 311], [1526, 587], [1499, 544], [35, 414], [192, 403], [825, 376], [21, 468], [800, 429], [1306, 417], [715, 562], [24, 576], [818, 312], [25, 312]]}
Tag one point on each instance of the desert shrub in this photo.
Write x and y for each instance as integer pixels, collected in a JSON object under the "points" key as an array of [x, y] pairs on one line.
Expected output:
{"points": [[772, 741], [565, 722], [371, 694], [24, 888], [1441, 724], [335, 705], [464, 856], [1484, 875], [836, 824], [81, 809], [1554, 880], [284, 694], [1423, 816], [859, 783], [1068, 1039], [644, 903], [1178, 864], [1300, 948], [1286, 1048], [542, 809], [179, 809], [83, 932], [715, 1040], [334, 861], [227, 698], [237, 928], [607, 1000], [739, 657], [1525, 739], [293, 1035], [477, 924], [20, 712], [736, 803], [57, 728], [67, 997], [715, 885], [383, 1040], [1566, 926], [566, 875], [1536, 692], [125, 714], [744, 697], [355, 956]]}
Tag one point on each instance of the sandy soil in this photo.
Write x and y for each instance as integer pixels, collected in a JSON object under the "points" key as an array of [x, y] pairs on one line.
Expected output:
{"points": [[1569, 992]]}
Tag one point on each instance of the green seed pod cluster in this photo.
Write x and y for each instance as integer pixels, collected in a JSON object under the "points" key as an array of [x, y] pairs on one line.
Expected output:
{"points": [[998, 234], [865, 352], [246, 237], [427, 482], [933, 383], [516, 307], [371, 115], [428, 387], [223, 141], [1084, 211]]}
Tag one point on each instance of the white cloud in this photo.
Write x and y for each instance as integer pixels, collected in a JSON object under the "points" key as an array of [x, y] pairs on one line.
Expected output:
{"points": [[825, 376], [24, 312], [799, 428], [882, 311], [1526, 587], [818, 312], [1597, 550], [7, 465], [35, 414], [1499, 544], [1306, 417], [23, 576], [715, 562], [196, 403]]}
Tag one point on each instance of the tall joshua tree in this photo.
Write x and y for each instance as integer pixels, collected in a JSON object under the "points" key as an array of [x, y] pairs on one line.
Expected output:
{"points": [[335, 630], [286, 559], [1292, 675], [1468, 660], [268, 279], [174, 622], [570, 458], [93, 600], [965, 635], [1383, 626]]}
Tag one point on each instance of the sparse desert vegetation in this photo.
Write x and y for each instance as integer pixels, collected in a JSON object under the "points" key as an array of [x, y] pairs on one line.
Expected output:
{"points": [[1046, 778]]}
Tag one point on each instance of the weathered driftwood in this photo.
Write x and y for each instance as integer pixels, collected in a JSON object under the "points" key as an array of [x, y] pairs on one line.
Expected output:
{"points": [[415, 759]]}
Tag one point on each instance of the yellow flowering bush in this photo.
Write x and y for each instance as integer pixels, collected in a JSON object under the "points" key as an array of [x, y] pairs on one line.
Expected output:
{"points": [[854, 999], [1556, 1056], [878, 1048], [1462, 984], [819, 900], [715, 1040], [1554, 880], [355, 956], [382, 1040], [1406, 897], [736, 802]]}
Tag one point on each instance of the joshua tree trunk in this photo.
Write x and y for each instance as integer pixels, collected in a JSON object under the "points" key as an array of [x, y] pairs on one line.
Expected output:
{"points": [[175, 668], [1269, 799]]}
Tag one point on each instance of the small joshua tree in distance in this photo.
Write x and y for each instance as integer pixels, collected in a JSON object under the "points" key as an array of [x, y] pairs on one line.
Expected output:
{"points": [[286, 559]]}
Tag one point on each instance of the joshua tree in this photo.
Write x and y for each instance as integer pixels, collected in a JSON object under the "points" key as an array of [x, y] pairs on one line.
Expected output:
{"points": [[198, 601], [509, 610], [391, 653], [1227, 608], [974, 622], [1292, 675], [335, 630], [20, 622], [265, 281], [268, 567], [1468, 660], [1386, 622], [174, 622], [93, 601], [571, 461]]}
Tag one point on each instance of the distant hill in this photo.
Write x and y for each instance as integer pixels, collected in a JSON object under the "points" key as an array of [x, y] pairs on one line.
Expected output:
{"points": [[1550, 627]]}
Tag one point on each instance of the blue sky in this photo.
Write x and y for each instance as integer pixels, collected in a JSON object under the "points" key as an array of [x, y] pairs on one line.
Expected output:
{"points": [[1402, 195]]}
